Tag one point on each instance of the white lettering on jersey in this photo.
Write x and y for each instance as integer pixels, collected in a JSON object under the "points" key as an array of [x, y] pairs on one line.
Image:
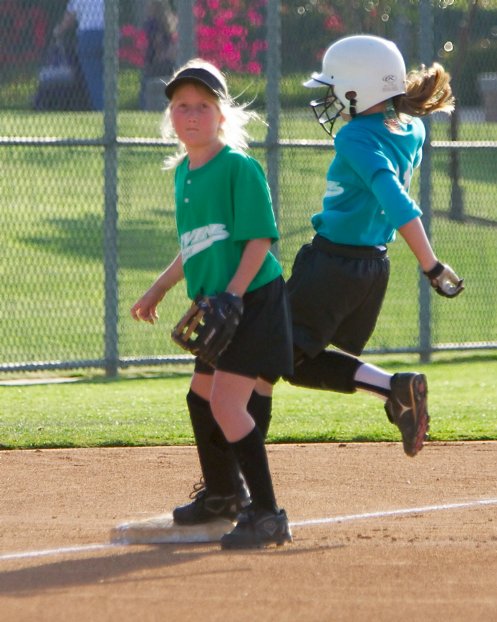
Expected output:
{"points": [[406, 177], [333, 189], [197, 240]]}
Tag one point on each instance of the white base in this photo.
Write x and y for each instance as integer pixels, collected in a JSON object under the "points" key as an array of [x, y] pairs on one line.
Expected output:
{"points": [[162, 530]]}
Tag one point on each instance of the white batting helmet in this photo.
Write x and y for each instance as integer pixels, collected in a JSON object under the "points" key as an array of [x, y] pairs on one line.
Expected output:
{"points": [[369, 66]]}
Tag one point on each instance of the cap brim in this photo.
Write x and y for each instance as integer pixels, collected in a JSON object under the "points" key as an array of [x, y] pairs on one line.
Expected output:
{"points": [[198, 75], [317, 80], [172, 86]]}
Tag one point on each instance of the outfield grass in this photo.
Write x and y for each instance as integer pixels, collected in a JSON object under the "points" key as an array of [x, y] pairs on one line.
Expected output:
{"points": [[147, 407]]}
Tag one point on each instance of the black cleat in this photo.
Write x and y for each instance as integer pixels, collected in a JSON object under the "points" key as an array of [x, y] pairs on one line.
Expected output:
{"points": [[258, 528], [406, 408], [207, 507]]}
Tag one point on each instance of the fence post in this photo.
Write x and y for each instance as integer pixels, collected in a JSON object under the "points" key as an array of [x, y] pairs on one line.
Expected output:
{"points": [[187, 40], [111, 72], [426, 57], [273, 72]]}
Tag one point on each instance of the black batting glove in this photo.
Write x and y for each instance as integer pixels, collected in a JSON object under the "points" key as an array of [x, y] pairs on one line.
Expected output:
{"points": [[444, 280]]}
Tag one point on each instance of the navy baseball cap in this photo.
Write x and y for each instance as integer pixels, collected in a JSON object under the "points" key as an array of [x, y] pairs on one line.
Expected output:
{"points": [[200, 75]]}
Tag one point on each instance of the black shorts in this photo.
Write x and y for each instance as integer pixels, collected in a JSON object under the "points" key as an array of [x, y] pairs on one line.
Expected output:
{"points": [[336, 292], [262, 345]]}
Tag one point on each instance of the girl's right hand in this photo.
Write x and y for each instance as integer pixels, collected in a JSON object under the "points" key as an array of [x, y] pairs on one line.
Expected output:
{"points": [[145, 308]]}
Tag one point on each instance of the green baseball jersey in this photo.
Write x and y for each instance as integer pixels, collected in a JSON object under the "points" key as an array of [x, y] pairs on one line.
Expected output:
{"points": [[219, 207]]}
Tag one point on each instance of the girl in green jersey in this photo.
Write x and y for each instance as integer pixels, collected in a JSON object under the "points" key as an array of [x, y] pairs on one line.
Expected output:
{"points": [[226, 226]]}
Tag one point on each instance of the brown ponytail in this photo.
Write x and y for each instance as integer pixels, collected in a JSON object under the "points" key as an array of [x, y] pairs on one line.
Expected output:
{"points": [[427, 90]]}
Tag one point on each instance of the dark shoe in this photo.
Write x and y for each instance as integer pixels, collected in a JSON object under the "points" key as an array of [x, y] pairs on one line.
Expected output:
{"points": [[406, 408], [257, 528], [207, 507]]}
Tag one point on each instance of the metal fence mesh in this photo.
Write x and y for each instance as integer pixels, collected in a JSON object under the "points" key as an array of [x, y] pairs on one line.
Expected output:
{"points": [[54, 227]]}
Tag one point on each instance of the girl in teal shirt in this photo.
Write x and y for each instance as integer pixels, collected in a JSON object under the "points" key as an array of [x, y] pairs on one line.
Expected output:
{"points": [[339, 281]]}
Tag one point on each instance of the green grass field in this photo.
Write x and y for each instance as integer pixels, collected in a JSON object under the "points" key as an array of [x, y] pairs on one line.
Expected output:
{"points": [[51, 285], [51, 276], [148, 407]]}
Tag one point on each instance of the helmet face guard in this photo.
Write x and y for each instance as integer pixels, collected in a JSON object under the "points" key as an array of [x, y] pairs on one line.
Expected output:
{"points": [[327, 110]]}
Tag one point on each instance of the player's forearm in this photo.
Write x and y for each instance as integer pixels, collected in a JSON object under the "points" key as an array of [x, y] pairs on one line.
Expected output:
{"points": [[172, 275], [252, 259], [414, 234]]}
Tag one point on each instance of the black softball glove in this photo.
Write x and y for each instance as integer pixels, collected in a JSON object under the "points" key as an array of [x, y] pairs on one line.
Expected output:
{"points": [[208, 327]]}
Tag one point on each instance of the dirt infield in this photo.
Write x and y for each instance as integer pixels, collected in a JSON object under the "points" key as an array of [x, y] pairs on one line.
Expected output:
{"points": [[377, 536]]}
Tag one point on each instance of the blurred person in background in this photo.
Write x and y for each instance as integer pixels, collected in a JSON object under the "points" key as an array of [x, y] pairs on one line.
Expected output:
{"points": [[160, 53], [87, 16]]}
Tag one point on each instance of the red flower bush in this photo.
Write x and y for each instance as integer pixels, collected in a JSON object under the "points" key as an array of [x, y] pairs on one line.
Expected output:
{"points": [[230, 33], [132, 45]]}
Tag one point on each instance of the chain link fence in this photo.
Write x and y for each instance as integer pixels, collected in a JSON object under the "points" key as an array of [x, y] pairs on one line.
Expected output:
{"points": [[87, 213]]}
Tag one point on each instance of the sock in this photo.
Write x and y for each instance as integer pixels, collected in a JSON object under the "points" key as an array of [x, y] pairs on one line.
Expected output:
{"points": [[251, 455], [259, 407], [217, 461], [329, 370], [373, 380]]}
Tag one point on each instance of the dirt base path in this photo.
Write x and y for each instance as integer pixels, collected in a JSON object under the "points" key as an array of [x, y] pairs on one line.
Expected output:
{"points": [[377, 536]]}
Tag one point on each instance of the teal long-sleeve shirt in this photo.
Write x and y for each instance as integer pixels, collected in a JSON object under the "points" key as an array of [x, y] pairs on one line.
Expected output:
{"points": [[367, 183]]}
